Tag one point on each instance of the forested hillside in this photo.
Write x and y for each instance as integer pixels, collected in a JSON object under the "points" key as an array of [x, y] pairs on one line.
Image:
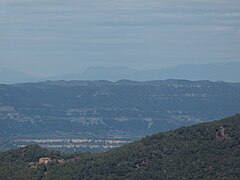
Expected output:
{"points": [[204, 151]]}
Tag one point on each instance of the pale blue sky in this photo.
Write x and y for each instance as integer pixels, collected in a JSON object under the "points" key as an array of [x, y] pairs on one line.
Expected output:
{"points": [[51, 37]]}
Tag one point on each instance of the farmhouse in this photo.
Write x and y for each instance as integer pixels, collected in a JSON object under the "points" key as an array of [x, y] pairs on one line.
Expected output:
{"points": [[44, 160]]}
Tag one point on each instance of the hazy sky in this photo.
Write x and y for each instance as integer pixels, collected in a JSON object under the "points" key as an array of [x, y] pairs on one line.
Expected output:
{"points": [[50, 37]]}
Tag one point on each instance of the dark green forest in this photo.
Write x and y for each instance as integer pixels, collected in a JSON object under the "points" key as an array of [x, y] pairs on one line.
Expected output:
{"points": [[204, 151]]}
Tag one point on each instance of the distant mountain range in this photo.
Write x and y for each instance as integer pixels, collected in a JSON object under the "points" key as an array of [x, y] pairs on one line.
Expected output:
{"points": [[103, 109], [215, 72], [10, 76], [204, 151]]}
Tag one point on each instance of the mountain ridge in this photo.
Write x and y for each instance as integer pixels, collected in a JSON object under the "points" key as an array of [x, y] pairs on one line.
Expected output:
{"points": [[227, 71], [110, 110]]}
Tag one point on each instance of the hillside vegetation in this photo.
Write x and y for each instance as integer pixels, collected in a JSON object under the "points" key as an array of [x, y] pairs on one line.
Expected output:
{"points": [[203, 151]]}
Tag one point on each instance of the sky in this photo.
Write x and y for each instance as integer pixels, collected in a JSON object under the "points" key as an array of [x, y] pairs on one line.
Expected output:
{"points": [[53, 37]]}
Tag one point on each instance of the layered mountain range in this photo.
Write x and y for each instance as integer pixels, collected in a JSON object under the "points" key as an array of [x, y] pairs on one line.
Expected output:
{"points": [[118, 110], [228, 71]]}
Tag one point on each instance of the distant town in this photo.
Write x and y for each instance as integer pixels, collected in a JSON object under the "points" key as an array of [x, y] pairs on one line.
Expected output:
{"points": [[69, 145]]}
